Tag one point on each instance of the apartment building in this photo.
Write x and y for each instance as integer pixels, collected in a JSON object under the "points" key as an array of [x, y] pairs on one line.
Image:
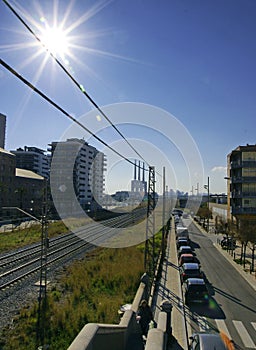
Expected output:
{"points": [[2, 130], [18, 187], [241, 165], [77, 167], [7, 177], [34, 159]]}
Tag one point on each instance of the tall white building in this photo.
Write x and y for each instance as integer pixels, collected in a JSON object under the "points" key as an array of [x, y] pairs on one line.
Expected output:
{"points": [[85, 163], [2, 130], [34, 159]]}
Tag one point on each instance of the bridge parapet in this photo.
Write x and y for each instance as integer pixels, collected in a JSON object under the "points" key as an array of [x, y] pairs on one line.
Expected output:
{"points": [[96, 336]]}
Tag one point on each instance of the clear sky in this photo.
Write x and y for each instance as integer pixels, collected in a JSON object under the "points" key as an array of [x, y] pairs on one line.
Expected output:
{"points": [[193, 59]]}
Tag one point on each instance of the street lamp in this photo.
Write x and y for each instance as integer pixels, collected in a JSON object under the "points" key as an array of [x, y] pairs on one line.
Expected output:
{"points": [[208, 201]]}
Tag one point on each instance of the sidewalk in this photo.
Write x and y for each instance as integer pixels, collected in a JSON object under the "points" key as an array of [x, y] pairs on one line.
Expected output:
{"points": [[169, 288], [250, 278]]}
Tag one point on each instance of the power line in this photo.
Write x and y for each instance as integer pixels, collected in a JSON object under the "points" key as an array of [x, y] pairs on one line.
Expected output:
{"points": [[35, 89], [80, 86]]}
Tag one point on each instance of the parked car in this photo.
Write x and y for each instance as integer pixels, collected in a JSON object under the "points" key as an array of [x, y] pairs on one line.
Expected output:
{"points": [[176, 211], [228, 242], [185, 249], [188, 258], [195, 291], [176, 220], [182, 241], [206, 341], [190, 270], [182, 231]]}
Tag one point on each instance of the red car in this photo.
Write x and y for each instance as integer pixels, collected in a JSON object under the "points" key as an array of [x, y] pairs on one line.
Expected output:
{"points": [[188, 258]]}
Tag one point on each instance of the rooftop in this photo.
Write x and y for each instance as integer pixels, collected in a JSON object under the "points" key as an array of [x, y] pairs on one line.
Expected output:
{"points": [[28, 173]]}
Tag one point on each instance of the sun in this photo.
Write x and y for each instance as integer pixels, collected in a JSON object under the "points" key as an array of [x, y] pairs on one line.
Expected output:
{"points": [[55, 40]]}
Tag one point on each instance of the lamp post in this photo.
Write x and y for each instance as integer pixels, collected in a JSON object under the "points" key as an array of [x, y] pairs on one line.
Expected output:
{"points": [[208, 200]]}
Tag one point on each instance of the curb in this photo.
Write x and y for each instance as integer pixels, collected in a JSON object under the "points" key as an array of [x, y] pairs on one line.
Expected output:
{"points": [[249, 278]]}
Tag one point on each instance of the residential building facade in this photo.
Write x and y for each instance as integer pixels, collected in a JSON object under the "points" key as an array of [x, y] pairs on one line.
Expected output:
{"points": [[2, 130], [79, 168], [7, 177], [241, 165], [18, 188], [34, 159]]}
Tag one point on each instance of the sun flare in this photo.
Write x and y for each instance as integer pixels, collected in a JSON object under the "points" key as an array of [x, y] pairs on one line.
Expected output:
{"points": [[55, 41]]}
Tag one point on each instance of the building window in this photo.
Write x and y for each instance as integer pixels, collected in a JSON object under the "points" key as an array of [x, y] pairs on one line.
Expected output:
{"points": [[249, 202], [249, 156], [249, 172]]}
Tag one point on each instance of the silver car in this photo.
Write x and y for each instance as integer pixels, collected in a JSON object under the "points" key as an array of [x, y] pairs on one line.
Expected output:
{"points": [[207, 341]]}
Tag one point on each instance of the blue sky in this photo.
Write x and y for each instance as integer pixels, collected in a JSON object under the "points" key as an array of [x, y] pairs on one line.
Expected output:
{"points": [[195, 59]]}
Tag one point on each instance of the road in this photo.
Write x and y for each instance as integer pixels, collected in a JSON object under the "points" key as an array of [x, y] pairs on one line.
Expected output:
{"points": [[233, 301]]}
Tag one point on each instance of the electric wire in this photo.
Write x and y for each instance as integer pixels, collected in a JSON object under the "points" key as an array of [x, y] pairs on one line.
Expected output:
{"points": [[80, 86], [39, 92]]}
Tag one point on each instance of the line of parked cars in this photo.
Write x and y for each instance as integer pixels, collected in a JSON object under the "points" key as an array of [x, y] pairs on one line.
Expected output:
{"points": [[191, 276], [195, 289]]}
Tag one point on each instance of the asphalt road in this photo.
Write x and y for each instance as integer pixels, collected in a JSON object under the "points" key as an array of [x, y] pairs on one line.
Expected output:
{"points": [[232, 307]]}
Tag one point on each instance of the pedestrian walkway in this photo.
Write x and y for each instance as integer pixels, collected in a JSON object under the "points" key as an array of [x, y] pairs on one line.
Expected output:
{"points": [[169, 288], [250, 277]]}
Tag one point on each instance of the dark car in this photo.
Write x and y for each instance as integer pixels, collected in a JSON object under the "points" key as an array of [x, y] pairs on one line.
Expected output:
{"points": [[176, 211], [182, 241], [185, 250], [188, 258], [206, 341], [190, 270], [195, 291]]}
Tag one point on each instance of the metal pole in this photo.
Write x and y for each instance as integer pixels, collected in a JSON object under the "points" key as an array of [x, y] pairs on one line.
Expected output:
{"points": [[208, 200], [42, 297], [163, 216]]}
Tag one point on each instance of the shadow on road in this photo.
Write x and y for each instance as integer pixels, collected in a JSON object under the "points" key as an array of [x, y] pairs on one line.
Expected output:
{"points": [[232, 298]]}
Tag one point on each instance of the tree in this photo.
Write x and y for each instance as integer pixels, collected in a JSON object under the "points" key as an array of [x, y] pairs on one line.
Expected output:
{"points": [[204, 213], [247, 235]]}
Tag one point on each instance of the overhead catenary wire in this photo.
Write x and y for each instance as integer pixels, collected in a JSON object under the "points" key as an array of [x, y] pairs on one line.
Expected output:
{"points": [[80, 86], [39, 92]]}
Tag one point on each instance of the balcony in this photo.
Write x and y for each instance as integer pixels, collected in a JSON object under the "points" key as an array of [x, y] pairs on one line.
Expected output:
{"points": [[240, 194], [243, 164], [243, 179], [243, 210]]}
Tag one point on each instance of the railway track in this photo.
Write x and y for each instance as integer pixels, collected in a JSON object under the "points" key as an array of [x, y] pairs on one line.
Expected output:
{"points": [[18, 265]]}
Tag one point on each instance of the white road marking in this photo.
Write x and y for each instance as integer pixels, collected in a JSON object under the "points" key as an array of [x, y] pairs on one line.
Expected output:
{"points": [[244, 335], [222, 327], [254, 325]]}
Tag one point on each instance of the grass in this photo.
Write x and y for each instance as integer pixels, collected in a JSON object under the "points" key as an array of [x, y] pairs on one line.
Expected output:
{"points": [[29, 235], [241, 261], [91, 290]]}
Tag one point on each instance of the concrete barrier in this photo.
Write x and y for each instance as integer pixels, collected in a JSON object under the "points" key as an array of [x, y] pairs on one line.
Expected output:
{"points": [[157, 337], [96, 336]]}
